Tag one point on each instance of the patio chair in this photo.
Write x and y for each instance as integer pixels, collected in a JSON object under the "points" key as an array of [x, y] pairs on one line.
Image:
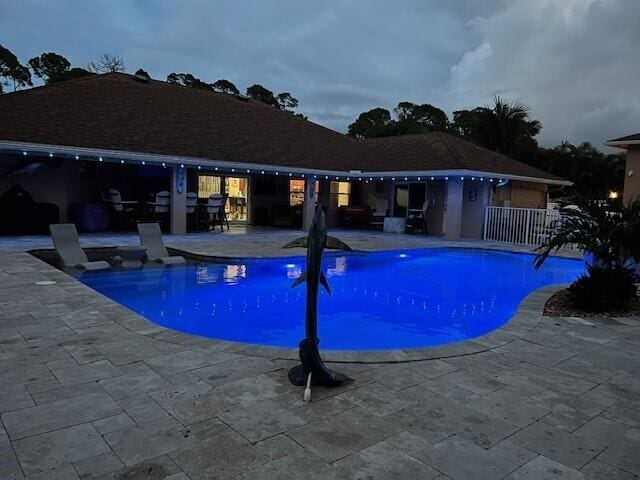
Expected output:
{"points": [[67, 245], [417, 219], [216, 212], [379, 214], [151, 238], [124, 210], [160, 207]]}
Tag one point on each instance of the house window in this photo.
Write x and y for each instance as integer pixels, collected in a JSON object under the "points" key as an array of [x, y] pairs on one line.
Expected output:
{"points": [[296, 192], [208, 185], [339, 193]]}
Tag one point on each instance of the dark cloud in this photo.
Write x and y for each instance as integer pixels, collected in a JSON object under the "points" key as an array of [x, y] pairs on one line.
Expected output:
{"points": [[573, 61]]}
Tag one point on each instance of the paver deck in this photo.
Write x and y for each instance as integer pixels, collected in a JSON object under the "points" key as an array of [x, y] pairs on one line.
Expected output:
{"points": [[89, 389]]}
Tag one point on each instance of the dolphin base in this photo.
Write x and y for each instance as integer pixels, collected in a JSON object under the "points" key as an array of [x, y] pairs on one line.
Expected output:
{"points": [[312, 363]]}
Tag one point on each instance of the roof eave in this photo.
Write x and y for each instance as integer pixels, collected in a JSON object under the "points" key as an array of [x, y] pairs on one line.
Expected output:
{"points": [[243, 167], [621, 143]]}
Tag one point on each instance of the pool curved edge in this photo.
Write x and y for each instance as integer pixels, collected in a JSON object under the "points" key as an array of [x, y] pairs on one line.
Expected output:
{"points": [[527, 317]]}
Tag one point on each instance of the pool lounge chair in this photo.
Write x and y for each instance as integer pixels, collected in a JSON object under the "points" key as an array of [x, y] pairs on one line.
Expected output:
{"points": [[67, 245], [151, 238]]}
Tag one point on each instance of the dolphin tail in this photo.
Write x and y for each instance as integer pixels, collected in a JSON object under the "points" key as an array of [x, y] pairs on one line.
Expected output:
{"points": [[301, 279], [336, 244], [324, 283], [298, 242]]}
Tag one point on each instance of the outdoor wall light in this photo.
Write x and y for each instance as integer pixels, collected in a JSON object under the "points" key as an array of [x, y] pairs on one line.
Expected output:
{"points": [[432, 178], [199, 167], [446, 178], [164, 164], [143, 162], [24, 153], [277, 173], [248, 171], [50, 155], [77, 157], [121, 161], [99, 159]]}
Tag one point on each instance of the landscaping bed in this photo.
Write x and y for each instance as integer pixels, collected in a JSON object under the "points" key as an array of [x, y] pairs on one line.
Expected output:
{"points": [[561, 305]]}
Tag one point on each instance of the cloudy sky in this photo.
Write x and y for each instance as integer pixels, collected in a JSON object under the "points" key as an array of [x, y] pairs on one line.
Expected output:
{"points": [[574, 62]]}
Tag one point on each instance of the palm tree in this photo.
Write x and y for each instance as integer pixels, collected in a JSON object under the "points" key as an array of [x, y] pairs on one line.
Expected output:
{"points": [[507, 125], [610, 234]]}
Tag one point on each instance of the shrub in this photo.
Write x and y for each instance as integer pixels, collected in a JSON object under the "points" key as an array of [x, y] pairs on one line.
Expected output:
{"points": [[604, 289]]}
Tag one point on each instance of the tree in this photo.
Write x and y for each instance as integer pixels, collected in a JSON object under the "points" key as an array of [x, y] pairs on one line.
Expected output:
{"points": [[107, 63], [52, 68], [286, 102], [188, 80], [225, 86], [412, 118], [12, 71], [505, 127], [262, 94], [593, 173], [374, 123]]}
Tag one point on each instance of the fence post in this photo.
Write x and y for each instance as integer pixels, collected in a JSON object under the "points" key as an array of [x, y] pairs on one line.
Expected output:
{"points": [[486, 222], [526, 231]]}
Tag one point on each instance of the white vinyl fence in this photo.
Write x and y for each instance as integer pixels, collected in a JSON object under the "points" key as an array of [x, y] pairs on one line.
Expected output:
{"points": [[522, 226]]}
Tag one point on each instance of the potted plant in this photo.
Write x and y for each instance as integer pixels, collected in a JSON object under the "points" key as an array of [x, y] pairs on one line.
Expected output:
{"points": [[609, 235]]}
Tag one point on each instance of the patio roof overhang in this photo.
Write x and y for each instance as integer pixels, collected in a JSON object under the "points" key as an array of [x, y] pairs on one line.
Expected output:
{"points": [[245, 168]]}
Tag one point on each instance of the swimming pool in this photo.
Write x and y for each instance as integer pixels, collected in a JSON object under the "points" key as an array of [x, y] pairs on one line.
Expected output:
{"points": [[385, 300]]}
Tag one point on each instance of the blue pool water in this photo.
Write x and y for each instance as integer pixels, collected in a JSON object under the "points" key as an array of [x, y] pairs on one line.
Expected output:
{"points": [[383, 300]]}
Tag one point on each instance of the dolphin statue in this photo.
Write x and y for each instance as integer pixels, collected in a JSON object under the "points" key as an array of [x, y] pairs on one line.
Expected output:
{"points": [[315, 242]]}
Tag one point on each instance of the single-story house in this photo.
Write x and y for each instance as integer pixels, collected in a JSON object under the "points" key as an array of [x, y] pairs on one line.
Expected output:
{"points": [[70, 142], [630, 143]]}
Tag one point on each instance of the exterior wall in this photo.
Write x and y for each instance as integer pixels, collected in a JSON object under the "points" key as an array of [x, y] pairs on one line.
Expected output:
{"points": [[519, 194], [70, 183], [632, 175], [453, 209], [476, 198]]}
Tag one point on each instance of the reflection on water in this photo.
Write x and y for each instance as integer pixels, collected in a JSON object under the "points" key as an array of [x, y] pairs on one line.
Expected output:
{"points": [[378, 300]]}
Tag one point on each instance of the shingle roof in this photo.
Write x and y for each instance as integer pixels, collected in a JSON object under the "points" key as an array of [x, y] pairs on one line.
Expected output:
{"points": [[117, 112]]}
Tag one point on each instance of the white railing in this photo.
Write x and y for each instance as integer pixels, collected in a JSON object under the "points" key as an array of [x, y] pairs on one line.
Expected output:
{"points": [[522, 226]]}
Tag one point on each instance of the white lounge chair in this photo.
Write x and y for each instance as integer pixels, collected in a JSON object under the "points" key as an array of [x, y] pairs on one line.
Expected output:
{"points": [[67, 245], [379, 214], [151, 238]]}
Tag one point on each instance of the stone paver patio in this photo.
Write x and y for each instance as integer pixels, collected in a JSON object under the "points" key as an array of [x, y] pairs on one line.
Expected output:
{"points": [[89, 389]]}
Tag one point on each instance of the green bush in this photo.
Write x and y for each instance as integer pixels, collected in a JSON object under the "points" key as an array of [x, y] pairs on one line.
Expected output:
{"points": [[604, 289]]}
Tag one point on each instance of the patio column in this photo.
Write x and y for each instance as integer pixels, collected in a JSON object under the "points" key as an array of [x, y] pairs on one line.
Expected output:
{"points": [[309, 204], [178, 206], [453, 209], [632, 175]]}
